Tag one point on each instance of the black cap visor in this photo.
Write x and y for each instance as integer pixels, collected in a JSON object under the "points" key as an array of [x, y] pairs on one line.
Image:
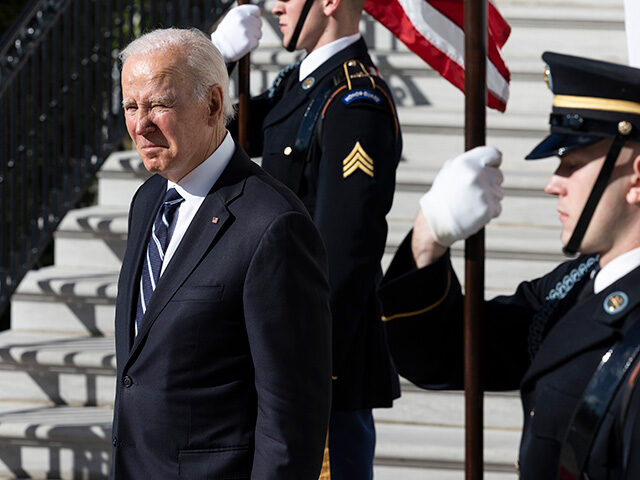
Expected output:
{"points": [[560, 143]]}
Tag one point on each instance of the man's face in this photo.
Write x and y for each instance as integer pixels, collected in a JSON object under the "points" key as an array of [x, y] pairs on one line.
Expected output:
{"points": [[572, 183], [288, 13], [169, 126]]}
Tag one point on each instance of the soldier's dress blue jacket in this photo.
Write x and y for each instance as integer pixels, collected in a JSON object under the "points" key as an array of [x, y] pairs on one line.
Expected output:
{"points": [[566, 332], [347, 186]]}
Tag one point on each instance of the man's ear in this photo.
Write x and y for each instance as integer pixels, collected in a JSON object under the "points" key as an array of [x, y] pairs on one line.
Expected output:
{"points": [[633, 195], [329, 7], [215, 104]]}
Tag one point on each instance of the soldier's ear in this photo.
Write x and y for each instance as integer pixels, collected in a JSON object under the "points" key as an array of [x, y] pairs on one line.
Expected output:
{"points": [[330, 6], [633, 195]]}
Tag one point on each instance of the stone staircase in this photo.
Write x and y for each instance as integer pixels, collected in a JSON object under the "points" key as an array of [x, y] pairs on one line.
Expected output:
{"points": [[57, 363]]}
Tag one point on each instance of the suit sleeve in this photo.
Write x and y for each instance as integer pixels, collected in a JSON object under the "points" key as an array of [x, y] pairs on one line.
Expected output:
{"points": [[423, 313], [286, 303], [356, 180]]}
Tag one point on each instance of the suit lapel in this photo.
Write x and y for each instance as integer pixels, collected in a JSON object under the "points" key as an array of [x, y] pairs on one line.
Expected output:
{"points": [[201, 234], [146, 209], [295, 97], [585, 325]]}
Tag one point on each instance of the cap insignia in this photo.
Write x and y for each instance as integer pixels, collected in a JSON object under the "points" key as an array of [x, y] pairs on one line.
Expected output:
{"points": [[547, 77], [615, 302]]}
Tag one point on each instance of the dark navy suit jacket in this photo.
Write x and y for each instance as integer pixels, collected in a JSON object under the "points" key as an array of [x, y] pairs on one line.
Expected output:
{"points": [[229, 376]]}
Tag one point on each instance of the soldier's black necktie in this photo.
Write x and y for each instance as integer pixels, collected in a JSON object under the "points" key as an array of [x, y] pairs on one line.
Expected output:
{"points": [[588, 287], [154, 254]]}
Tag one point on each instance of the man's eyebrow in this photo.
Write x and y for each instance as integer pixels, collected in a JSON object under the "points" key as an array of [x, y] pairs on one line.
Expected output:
{"points": [[164, 99]]}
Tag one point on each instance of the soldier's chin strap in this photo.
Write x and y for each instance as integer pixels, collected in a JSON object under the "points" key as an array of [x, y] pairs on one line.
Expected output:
{"points": [[291, 46], [572, 247]]}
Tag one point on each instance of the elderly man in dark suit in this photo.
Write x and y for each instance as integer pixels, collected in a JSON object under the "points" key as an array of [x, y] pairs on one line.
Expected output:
{"points": [[222, 320]]}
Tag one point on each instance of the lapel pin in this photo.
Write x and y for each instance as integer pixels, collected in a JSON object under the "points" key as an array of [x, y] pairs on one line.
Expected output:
{"points": [[615, 302], [215, 220]]}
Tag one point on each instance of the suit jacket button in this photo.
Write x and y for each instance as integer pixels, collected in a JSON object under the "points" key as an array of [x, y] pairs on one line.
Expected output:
{"points": [[126, 381], [114, 441]]}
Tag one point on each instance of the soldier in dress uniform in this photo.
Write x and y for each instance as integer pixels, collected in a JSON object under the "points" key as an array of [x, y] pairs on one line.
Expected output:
{"points": [[568, 340], [328, 129]]}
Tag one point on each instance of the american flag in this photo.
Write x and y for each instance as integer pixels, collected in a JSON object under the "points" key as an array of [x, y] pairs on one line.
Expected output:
{"points": [[433, 29]]}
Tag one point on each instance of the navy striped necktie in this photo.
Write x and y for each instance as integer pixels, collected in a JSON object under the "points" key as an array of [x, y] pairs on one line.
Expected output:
{"points": [[155, 252]]}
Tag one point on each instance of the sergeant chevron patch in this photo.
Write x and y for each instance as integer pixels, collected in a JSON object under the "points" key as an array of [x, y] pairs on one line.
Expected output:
{"points": [[357, 159]]}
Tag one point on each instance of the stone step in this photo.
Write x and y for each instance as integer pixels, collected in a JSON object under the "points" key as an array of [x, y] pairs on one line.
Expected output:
{"points": [[92, 236], [119, 178], [55, 369], [422, 436], [442, 447], [420, 472], [57, 299], [445, 408], [54, 442], [502, 275], [516, 210]]}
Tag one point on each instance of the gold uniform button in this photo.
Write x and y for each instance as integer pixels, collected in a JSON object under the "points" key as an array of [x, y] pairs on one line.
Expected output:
{"points": [[288, 150], [532, 413], [352, 63]]}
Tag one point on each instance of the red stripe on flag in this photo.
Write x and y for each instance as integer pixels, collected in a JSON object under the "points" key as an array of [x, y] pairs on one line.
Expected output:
{"points": [[391, 14]]}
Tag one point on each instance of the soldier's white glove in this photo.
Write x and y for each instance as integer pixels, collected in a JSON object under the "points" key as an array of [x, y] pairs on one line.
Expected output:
{"points": [[465, 195], [238, 33]]}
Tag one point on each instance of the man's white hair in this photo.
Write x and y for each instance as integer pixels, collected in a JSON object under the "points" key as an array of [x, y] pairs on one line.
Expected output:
{"points": [[204, 61]]}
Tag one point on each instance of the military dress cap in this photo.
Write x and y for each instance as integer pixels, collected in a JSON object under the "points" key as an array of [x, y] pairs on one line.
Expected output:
{"points": [[592, 100]]}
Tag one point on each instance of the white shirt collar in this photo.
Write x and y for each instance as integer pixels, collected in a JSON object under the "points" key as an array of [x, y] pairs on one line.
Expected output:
{"points": [[196, 184], [616, 269], [316, 58]]}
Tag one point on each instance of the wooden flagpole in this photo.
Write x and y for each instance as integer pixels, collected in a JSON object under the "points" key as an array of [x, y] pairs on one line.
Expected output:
{"points": [[244, 96], [475, 27]]}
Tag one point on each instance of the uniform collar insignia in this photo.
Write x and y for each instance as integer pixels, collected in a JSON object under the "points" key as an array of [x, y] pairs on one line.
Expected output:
{"points": [[615, 302], [308, 82]]}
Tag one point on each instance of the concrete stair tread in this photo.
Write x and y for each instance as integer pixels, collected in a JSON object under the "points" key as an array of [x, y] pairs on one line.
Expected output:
{"points": [[502, 411], [419, 174], [96, 220], [37, 349], [127, 163], [79, 425], [420, 472], [501, 239], [430, 444], [70, 282], [502, 275]]}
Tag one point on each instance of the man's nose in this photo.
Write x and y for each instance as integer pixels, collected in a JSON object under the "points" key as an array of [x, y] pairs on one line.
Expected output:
{"points": [[277, 8], [144, 123], [555, 185]]}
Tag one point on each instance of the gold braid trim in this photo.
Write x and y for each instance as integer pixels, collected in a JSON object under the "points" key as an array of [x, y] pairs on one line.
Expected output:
{"points": [[424, 310]]}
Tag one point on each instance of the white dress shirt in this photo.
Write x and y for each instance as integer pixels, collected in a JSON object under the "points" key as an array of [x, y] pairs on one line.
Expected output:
{"points": [[316, 58], [194, 187], [616, 269]]}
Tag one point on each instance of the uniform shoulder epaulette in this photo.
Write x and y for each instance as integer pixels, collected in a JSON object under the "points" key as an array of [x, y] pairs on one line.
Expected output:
{"points": [[352, 71], [357, 81]]}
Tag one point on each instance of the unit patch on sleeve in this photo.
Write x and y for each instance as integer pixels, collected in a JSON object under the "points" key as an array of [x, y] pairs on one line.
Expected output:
{"points": [[357, 159], [368, 95]]}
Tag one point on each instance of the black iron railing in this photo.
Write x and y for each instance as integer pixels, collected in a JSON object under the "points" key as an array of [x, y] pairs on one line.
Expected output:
{"points": [[60, 113]]}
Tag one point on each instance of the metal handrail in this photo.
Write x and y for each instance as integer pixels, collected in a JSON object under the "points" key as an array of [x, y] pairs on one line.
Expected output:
{"points": [[60, 111]]}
